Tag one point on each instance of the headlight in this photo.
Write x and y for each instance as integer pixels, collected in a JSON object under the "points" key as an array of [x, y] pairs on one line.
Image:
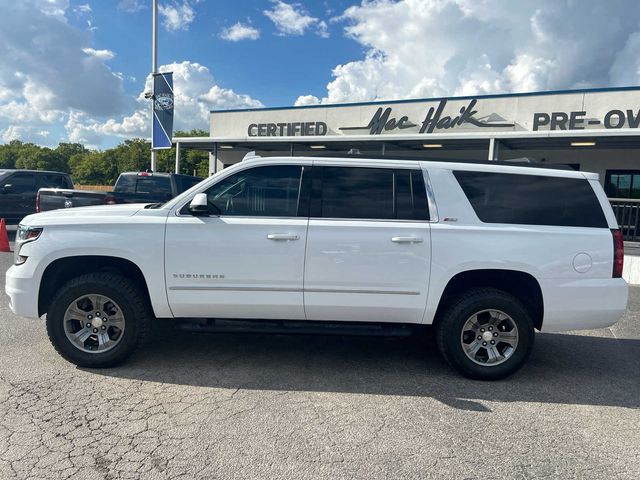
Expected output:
{"points": [[24, 235], [28, 234]]}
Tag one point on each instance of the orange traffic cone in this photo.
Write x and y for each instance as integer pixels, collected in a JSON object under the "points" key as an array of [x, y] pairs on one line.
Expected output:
{"points": [[4, 239]]}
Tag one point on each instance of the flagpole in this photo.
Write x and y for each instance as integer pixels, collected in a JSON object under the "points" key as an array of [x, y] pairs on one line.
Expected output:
{"points": [[154, 69]]}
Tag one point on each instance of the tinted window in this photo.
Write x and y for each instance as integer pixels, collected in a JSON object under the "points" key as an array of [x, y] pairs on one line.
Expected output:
{"points": [[188, 182], [150, 184], [258, 192], [532, 199], [372, 193], [153, 185], [22, 183], [126, 184], [54, 181]]}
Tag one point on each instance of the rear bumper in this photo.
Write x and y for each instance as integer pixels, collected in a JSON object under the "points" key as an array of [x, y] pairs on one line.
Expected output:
{"points": [[23, 296], [582, 304]]}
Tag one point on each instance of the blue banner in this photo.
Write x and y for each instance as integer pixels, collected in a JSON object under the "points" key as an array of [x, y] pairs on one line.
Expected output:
{"points": [[162, 127]]}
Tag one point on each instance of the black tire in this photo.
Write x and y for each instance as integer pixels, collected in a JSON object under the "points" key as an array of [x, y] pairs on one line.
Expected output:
{"points": [[454, 316], [125, 293]]}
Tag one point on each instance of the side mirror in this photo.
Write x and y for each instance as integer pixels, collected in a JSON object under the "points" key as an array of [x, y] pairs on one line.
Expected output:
{"points": [[7, 188], [199, 205]]}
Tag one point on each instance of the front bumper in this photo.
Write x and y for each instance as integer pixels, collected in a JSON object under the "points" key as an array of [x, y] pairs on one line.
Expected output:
{"points": [[22, 291]]}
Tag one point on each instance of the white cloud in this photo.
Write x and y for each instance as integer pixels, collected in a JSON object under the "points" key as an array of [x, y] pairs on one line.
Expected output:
{"points": [[293, 19], [100, 54], [51, 7], [240, 31], [177, 16], [307, 100], [59, 72], [423, 48], [85, 8], [131, 6], [24, 133], [55, 72], [195, 94]]}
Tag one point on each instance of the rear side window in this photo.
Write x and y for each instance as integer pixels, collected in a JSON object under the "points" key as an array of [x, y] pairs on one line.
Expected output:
{"points": [[370, 193], [54, 181], [532, 199]]}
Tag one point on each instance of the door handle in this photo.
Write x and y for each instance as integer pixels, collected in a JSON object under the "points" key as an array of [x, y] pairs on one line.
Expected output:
{"points": [[406, 240], [282, 236]]}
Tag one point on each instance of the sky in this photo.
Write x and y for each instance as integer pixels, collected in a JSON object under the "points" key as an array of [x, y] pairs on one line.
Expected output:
{"points": [[77, 70]]}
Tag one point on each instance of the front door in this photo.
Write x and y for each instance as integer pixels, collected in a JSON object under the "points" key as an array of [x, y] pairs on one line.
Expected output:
{"points": [[18, 196], [246, 259], [368, 246]]}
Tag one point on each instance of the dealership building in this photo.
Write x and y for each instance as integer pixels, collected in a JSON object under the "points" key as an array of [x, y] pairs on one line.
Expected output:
{"points": [[596, 130]]}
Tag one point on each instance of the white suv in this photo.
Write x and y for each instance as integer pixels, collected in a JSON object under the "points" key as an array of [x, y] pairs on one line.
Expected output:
{"points": [[486, 252]]}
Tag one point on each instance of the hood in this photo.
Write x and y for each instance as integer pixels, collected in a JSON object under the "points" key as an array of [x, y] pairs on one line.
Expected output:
{"points": [[81, 214]]}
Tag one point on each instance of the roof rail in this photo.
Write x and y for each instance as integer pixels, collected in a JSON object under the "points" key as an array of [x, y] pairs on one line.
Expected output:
{"points": [[515, 162]]}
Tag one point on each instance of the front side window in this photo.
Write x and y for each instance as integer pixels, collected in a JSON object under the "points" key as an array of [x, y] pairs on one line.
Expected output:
{"points": [[22, 183], [531, 199], [371, 193], [270, 191]]}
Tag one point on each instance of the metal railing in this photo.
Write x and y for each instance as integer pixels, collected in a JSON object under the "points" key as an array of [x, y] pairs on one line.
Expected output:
{"points": [[627, 212]]}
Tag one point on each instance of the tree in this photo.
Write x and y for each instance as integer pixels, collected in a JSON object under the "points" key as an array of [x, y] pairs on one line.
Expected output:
{"points": [[33, 157], [190, 160]]}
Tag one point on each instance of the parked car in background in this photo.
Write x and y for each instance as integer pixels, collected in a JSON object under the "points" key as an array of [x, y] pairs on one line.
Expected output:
{"points": [[19, 188], [131, 187]]}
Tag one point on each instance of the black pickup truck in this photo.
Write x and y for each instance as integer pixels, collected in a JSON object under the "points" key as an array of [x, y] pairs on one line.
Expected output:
{"points": [[131, 187], [19, 188]]}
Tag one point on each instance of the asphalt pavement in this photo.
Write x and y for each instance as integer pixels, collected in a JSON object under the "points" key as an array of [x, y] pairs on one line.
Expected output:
{"points": [[232, 406]]}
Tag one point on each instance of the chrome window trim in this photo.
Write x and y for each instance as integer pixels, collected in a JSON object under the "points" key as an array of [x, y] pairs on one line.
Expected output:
{"points": [[390, 220]]}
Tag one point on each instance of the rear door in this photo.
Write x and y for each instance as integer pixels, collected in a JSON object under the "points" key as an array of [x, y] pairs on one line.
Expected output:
{"points": [[246, 259], [368, 246]]}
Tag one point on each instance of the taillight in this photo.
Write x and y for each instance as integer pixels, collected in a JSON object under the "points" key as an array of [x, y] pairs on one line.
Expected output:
{"points": [[618, 253], [109, 200], [38, 202]]}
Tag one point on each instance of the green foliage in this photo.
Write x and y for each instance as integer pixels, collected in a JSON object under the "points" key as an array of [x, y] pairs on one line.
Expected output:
{"points": [[90, 167]]}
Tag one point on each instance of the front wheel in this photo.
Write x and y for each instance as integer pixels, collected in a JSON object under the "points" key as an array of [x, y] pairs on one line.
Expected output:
{"points": [[98, 320], [485, 334]]}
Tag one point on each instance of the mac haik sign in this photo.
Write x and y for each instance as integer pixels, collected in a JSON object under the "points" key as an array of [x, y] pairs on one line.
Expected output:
{"points": [[588, 110]]}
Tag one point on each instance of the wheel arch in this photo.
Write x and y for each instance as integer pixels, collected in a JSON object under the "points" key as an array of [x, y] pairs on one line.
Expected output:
{"points": [[64, 269], [521, 285]]}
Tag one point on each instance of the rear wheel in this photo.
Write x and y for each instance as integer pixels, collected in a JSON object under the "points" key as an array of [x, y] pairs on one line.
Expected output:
{"points": [[98, 320], [485, 334]]}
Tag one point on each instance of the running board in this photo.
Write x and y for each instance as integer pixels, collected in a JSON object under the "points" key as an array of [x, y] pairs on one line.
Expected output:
{"points": [[292, 327]]}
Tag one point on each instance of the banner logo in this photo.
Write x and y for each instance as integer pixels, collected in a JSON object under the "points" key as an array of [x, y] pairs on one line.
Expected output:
{"points": [[162, 127]]}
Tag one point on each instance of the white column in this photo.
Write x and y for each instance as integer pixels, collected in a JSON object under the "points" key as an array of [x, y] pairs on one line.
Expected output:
{"points": [[494, 147], [154, 66], [177, 157]]}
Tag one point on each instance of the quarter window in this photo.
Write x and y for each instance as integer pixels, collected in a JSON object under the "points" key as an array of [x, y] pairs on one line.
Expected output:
{"points": [[532, 199], [270, 191]]}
